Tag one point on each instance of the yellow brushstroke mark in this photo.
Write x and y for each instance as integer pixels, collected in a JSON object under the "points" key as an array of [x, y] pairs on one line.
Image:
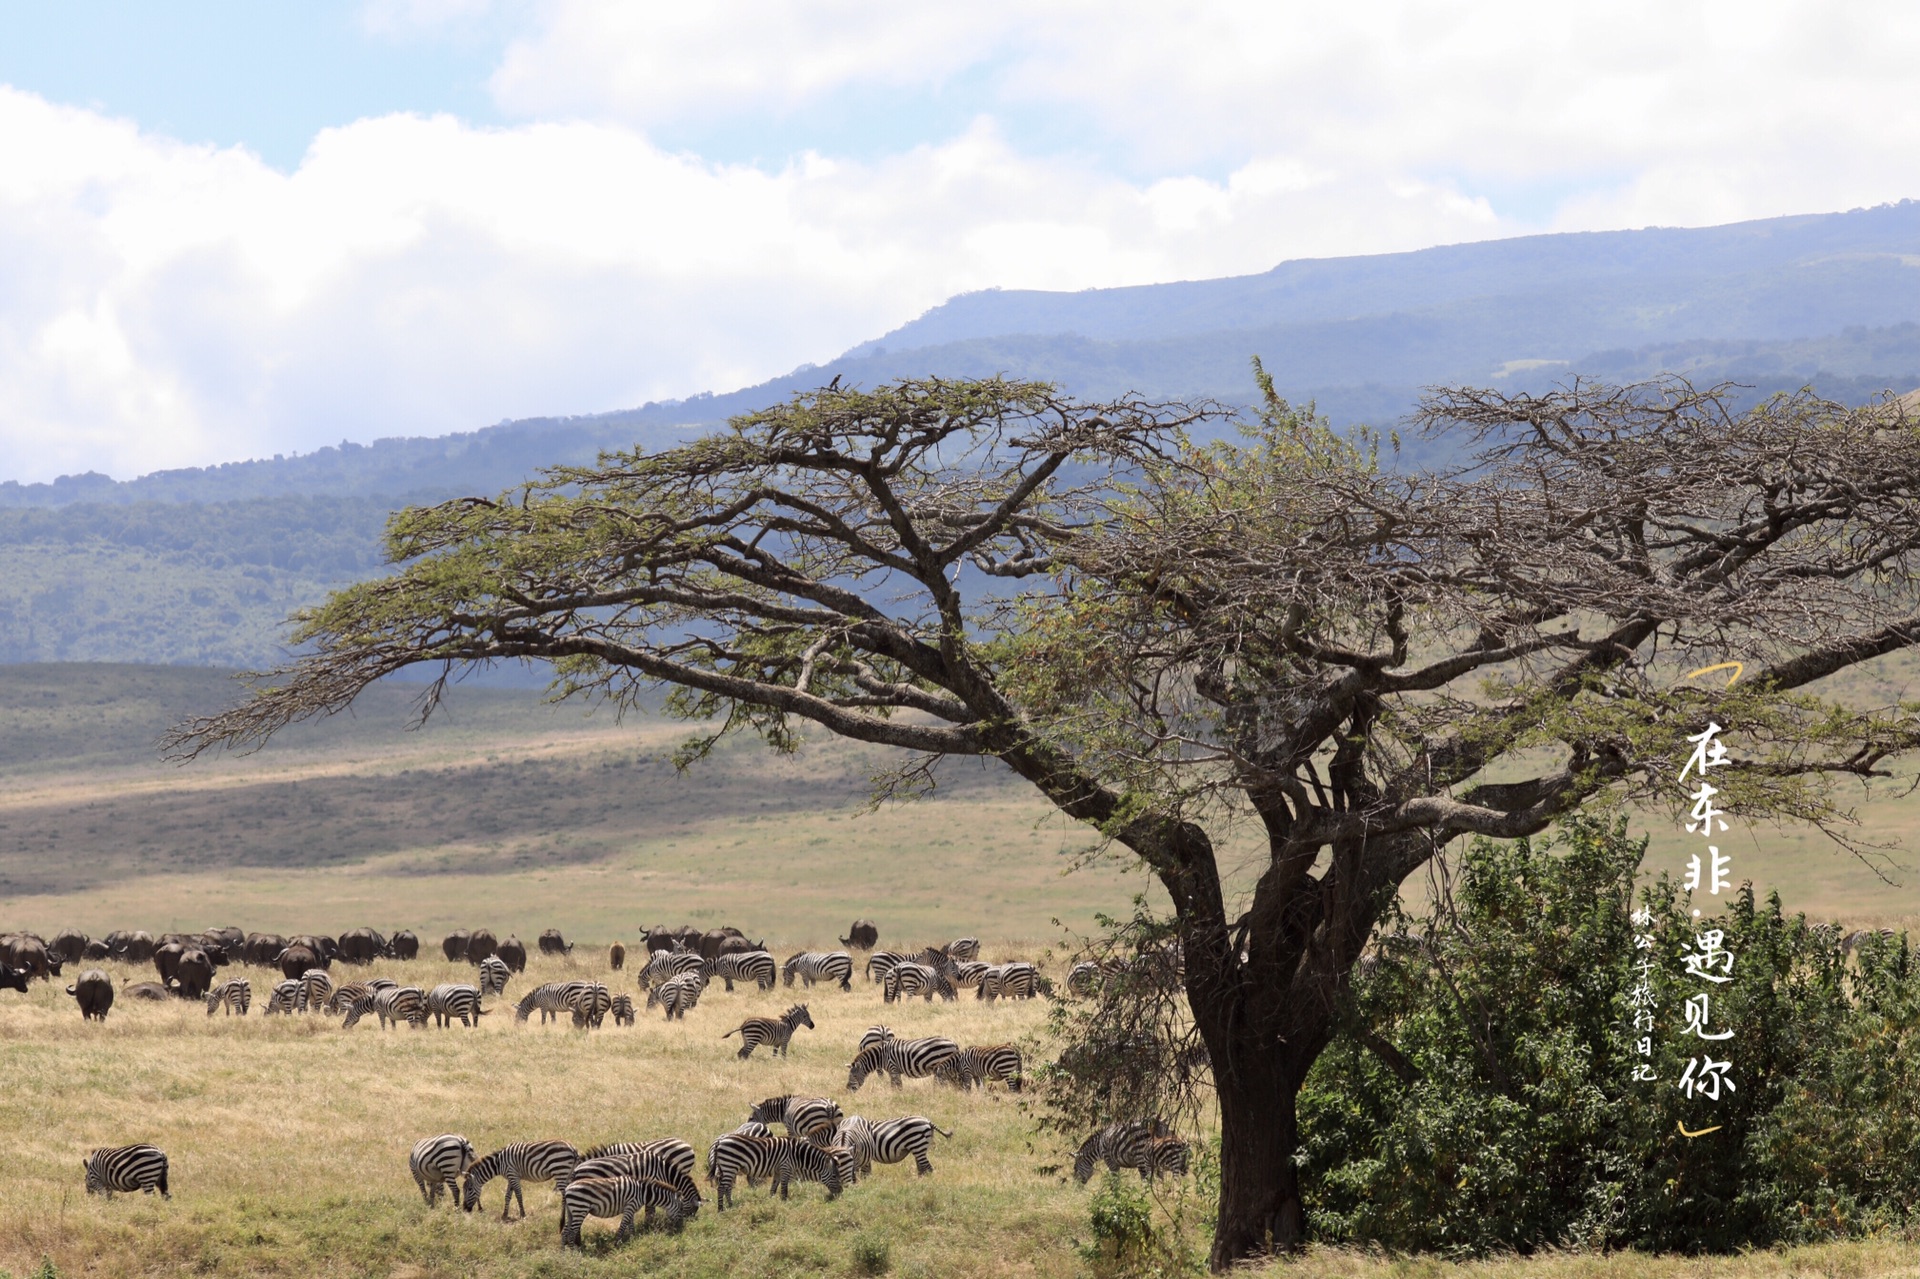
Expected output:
{"points": [[1703, 1132], [1739, 668]]}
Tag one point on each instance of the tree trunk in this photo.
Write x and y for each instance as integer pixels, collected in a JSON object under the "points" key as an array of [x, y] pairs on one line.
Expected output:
{"points": [[1260, 1208]]}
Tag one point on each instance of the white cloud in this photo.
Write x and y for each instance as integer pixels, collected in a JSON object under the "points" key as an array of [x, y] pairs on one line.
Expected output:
{"points": [[169, 305]]}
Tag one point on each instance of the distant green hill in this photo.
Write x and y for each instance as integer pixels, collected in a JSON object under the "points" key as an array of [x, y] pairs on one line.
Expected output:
{"points": [[201, 565]]}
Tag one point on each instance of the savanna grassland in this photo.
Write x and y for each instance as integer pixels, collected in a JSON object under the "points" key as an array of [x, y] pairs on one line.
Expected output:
{"points": [[289, 1136]]}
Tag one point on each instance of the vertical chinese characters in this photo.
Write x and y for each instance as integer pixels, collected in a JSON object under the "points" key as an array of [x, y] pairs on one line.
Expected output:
{"points": [[1706, 959]]}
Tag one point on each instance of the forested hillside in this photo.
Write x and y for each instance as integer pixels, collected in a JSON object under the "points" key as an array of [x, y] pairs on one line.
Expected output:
{"points": [[202, 565]]}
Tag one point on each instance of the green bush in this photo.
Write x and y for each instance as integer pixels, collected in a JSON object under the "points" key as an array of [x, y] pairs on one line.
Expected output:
{"points": [[1480, 1098]]}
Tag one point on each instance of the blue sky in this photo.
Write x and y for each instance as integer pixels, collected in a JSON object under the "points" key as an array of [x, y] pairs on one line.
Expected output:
{"points": [[231, 230]]}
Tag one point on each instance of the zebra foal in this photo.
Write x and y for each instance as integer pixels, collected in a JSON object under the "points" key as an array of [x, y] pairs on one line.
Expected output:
{"points": [[774, 1031]]}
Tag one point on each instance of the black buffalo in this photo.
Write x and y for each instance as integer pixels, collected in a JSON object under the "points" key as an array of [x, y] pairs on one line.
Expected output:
{"points": [[480, 944], [94, 991], [295, 960], [455, 946], [552, 943], [193, 975], [513, 953], [862, 936]]}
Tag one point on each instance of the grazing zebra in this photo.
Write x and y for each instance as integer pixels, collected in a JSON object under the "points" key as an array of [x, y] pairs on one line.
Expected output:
{"points": [[875, 1035], [911, 1057], [235, 994], [315, 987], [910, 977], [810, 1117], [1121, 1144], [622, 1010], [285, 998], [454, 1000], [676, 1153], [962, 948], [881, 962], [589, 1002], [665, 964], [347, 995], [1084, 976], [520, 1162], [401, 1003], [126, 1169], [621, 1197], [1018, 980], [678, 994], [493, 976], [1162, 1154], [973, 1067], [776, 1032], [551, 999], [756, 966], [754, 1128], [647, 1166], [889, 1141], [820, 965], [734, 1155], [439, 1161], [968, 974]]}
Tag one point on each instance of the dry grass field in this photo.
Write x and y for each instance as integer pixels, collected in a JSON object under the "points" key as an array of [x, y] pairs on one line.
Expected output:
{"points": [[289, 1136]]}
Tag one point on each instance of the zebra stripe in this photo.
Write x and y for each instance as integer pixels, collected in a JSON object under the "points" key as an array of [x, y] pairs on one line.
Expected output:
{"points": [[235, 994], [400, 1003], [520, 1162], [344, 997], [1121, 1144], [735, 1155], [889, 1141], [621, 1197], [915, 1058], [677, 1153], [650, 1166], [551, 999], [820, 965], [875, 1035], [315, 987], [881, 962], [126, 1169], [455, 1000], [622, 1010], [973, 1067], [910, 977], [285, 998], [1164, 1154], [663, 965], [968, 974], [756, 966], [964, 948], [810, 1117], [775, 1031], [1017, 980], [589, 1002], [439, 1161], [493, 976], [678, 995]]}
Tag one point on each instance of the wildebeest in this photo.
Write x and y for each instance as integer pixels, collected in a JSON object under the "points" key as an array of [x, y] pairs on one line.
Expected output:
{"points": [[513, 953], [361, 946], [862, 936], [616, 957], [294, 961], [94, 992], [404, 945], [146, 990], [69, 945], [480, 944], [193, 974], [552, 943], [455, 945]]}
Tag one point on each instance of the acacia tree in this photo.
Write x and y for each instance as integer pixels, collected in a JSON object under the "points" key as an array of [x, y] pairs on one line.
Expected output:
{"points": [[1166, 638]]}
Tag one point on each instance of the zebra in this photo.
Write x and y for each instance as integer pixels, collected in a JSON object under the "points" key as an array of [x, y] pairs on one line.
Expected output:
{"points": [[678, 994], [665, 964], [968, 974], [235, 993], [909, 977], [810, 1117], [347, 995], [675, 1153], [881, 962], [754, 1128], [520, 1162], [1084, 977], [621, 1197], [734, 1155], [453, 1000], [589, 1002], [551, 999], [889, 1141], [774, 1031], [1162, 1154], [285, 998], [820, 965], [756, 966], [126, 1169], [493, 975], [622, 1010], [1121, 1144], [439, 1161], [315, 986], [401, 1003], [914, 1058], [1017, 980], [875, 1035], [646, 1165], [971, 1067], [963, 948]]}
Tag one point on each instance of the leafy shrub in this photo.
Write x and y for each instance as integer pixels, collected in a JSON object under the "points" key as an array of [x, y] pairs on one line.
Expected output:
{"points": [[1481, 1098]]}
